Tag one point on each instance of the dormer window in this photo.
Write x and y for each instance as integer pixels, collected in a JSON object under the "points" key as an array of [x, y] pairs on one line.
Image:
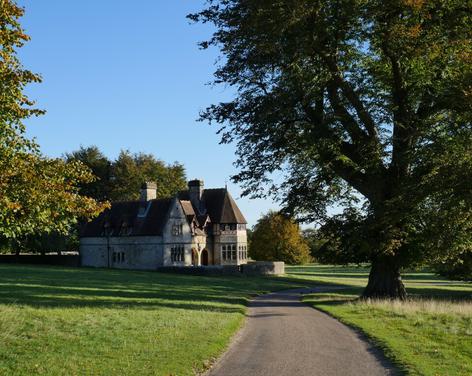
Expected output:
{"points": [[125, 229], [107, 229], [177, 229]]}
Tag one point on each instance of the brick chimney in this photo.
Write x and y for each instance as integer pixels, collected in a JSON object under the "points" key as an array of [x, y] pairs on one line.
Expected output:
{"points": [[195, 190], [148, 191]]}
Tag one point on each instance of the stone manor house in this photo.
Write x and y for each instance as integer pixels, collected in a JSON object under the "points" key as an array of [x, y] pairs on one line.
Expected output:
{"points": [[196, 227]]}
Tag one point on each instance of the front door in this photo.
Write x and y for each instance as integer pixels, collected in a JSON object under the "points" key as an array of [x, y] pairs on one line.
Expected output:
{"points": [[204, 257]]}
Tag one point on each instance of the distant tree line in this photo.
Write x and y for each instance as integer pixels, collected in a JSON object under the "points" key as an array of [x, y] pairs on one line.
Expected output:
{"points": [[121, 179]]}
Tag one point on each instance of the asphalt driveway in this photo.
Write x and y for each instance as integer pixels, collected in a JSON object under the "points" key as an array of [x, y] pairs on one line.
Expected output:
{"points": [[283, 336]]}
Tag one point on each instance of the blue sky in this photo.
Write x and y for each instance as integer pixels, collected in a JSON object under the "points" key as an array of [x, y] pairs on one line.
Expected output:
{"points": [[128, 75]]}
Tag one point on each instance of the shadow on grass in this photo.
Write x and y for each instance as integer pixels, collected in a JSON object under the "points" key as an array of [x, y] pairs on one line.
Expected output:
{"points": [[333, 302], [80, 287], [439, 293], [331, 275]]}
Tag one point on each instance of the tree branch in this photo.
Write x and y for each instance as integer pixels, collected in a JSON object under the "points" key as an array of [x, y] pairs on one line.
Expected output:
{"points": [[402, 125], [352, 97], [349, 123]]}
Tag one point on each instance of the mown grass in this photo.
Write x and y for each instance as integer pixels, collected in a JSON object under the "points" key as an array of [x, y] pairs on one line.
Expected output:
{"points": [[70, 321], [430, 334]]}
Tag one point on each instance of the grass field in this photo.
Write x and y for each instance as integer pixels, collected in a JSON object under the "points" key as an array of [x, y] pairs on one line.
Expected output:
{"points": [[70, 321], [430, 334]]}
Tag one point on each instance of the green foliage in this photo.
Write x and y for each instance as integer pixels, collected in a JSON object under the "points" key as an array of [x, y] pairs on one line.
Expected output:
{"points": [[342, 239], [37, 194], [129, 171], [100, 166], [45, 242], [353, 100], [40, 195], [277, 238], [314, 241], [249, 232], [121, 179], [457, 267]]}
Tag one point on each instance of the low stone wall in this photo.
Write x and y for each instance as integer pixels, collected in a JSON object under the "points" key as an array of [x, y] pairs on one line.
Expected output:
{"points": [[202, 270], [251, 269], [264, 268], [57, 260]]}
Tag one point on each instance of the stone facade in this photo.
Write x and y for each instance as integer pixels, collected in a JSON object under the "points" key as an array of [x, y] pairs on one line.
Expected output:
{"points": [[197, 227]]}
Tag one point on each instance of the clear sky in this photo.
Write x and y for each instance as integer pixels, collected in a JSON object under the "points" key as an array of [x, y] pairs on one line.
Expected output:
{"points": [[124, 74]]}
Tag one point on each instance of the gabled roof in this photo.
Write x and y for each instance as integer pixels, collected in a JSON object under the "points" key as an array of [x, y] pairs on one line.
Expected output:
{"points": [[221, 207], [188, 211], [187, 207], [125, 215], [141, 218], [218, 204]]}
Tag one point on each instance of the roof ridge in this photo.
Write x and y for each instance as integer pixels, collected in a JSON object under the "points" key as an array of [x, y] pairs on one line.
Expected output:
{"points": [[133, 201]]}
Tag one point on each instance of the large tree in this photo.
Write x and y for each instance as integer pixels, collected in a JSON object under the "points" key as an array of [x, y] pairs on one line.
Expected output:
{"points": [[352, 99], [37, 194]]}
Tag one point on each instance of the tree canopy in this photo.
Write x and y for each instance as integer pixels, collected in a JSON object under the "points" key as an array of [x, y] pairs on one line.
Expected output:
{"points": [[37, 194], [101, 168], [131, 170], [278, 238], [121, 179], [354, 100]]}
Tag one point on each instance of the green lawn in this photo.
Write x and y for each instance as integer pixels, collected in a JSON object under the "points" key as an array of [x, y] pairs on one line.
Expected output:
{"points": [[70, 321], [430, 334]]}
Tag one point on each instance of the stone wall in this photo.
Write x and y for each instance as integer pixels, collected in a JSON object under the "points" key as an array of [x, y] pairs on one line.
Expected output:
{"points": [[203, 270], [254, 268], [264, 268]]}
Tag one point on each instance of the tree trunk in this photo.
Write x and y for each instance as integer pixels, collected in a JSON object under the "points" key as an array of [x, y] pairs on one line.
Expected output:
{"points": [[385, 281]]}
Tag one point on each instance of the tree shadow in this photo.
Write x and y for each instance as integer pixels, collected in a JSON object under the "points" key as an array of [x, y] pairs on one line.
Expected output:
{"points": [[438, 293], [80, 287], [332, 275]]}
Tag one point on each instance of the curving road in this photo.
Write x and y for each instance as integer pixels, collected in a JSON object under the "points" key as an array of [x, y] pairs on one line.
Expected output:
{"points": [[283, 336]]}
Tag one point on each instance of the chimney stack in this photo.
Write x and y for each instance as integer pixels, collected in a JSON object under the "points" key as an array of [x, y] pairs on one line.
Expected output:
{"points": [[148, 191], [195, 189]]}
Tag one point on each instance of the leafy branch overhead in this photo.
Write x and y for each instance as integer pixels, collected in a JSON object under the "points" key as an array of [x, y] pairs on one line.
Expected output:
{"points": [[37, 194], [349, 99]]}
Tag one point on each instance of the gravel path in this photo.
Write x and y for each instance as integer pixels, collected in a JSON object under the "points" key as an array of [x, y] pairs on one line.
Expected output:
{"points": [[283, 336]]}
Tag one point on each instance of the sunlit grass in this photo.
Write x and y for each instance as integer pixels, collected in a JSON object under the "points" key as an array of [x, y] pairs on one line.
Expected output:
{"points": [[70, 321], [420, 306], [428, 334]]}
